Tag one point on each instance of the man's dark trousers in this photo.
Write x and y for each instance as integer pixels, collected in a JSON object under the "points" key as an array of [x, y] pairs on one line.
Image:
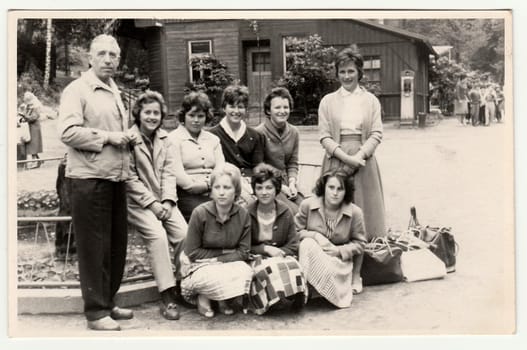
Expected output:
{"points": [[99, 214]]}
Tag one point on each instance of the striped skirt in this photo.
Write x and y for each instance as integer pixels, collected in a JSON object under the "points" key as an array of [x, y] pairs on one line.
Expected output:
{"points": [[328, 275], [275, 279], [214, 280]]}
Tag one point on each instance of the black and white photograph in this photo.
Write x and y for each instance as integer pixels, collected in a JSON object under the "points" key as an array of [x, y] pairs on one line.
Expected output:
{"points": [[305, 173]]}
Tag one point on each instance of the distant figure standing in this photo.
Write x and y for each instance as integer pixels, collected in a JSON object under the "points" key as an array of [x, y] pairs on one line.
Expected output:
{"points": [[31, 110], [474, 98], [500, 105], [93, 124], [461, 102], [490, 105]]}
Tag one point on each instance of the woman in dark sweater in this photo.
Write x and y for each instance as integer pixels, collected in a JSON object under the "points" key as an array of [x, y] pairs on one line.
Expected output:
{"points": [[218, 242], [242, 145], [278, 276]]}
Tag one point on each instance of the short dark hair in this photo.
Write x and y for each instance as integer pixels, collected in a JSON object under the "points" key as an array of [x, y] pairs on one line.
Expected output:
{"points": [[345, 180], [234, 94], [197, 99], [277, 92], [350, 54], [149, 96], [263, 172]]}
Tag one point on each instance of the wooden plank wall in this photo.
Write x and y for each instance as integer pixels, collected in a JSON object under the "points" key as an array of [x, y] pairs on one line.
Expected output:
{"points": [[224, 36]]}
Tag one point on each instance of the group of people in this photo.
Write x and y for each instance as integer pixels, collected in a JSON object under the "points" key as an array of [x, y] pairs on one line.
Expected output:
{"points": [[224, 199], [478, 103]]}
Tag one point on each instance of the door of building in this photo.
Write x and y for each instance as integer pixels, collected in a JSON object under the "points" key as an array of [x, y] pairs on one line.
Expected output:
{"points": [[258, 67]]}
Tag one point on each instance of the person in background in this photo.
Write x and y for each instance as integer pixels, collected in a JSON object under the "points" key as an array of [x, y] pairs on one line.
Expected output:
{"points": [[474, 99], [64, 230], [242, 146], [331, 231], [350, 130], [461, 100], [31, 110], [278, 277], [199, 150], [152, 197], [490, 104], [281, 144], [500, 104], [217, 246], [93, 124]]}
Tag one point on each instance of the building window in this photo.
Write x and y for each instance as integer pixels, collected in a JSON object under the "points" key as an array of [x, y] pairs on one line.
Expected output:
{"points": [[372, 69], [293, 46], [197, 50], [261, 61]]}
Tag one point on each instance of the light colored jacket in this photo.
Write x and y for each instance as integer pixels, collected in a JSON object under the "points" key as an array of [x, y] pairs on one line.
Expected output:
{"points": [[89, 109], [349, 233], [152, 178], [329, 124]]}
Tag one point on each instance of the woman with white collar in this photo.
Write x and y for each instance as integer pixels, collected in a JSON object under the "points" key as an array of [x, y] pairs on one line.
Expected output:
{"points": [[350, 130], [242, 145]]}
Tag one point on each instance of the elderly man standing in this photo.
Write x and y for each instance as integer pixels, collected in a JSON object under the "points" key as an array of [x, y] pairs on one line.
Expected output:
{"points": [[93, 124]]}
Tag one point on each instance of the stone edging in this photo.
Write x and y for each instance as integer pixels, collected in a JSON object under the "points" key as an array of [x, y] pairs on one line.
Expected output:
{"points": [[69, 300]]}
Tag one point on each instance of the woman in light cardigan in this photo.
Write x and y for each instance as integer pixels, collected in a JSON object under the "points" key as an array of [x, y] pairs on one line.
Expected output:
{"points": [[350, 130], [199, 150]]}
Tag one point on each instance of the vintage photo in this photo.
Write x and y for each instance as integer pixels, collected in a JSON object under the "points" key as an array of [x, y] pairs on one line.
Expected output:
{"points": [[248, 173]]}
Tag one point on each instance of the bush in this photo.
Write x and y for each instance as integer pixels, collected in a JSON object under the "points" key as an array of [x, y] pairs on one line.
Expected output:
{"points": [[310, 73]]}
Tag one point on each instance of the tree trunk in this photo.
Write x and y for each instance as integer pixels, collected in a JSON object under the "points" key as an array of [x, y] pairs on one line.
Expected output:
{"points": [[66, 58], [48, 54]]}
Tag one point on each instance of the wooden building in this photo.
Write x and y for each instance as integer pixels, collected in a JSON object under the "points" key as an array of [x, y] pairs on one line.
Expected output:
{"points": [[388, 51]]}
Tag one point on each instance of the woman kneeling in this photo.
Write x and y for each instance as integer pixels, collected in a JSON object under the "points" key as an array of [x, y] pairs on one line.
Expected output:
{"points": [[331, 230], [277, 274], [217, 245]]}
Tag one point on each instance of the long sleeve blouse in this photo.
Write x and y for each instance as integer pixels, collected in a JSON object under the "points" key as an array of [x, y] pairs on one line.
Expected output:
{"points": [[208, 237], [198, 156], [333, 108], [348, 233]]}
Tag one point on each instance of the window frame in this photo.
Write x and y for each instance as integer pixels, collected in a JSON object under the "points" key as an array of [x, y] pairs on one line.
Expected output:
{"points": [[300, 36], [192, 55], [369, 71]]}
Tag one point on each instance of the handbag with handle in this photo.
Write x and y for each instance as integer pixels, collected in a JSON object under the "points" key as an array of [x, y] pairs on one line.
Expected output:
{"points": [[24, 135], [441, 241], [382, 263]]}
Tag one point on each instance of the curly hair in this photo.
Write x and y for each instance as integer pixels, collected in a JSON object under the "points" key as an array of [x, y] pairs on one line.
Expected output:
{"points": [[350, 54], [263, 172], [149, 96], [197, 99], [235, 94], [345, 180], [277, 92]]}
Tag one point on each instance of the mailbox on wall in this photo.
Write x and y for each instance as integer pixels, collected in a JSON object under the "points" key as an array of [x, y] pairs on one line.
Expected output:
{"points": [[407, 96]]}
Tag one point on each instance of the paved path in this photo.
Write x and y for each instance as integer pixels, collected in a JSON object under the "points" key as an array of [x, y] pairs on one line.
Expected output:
{"points": [[455, 176]]}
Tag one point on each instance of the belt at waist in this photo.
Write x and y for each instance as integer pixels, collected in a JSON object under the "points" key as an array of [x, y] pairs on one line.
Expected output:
{"points": [[353, 137]]}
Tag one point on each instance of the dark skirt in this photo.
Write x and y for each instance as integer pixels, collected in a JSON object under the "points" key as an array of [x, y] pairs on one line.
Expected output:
{"points": [[34, 146], [187, 202], [368, 187]]}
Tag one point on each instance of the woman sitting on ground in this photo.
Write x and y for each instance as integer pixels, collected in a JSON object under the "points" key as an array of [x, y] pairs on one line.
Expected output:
{"points": [[277, 274], [199, 150], [281, 143], [217, 245], [152, 196], [331, 230]]}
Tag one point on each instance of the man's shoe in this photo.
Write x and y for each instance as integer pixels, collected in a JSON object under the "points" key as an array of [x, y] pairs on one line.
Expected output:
{"points": [[169, 311], [121, 314], [104, 324]]}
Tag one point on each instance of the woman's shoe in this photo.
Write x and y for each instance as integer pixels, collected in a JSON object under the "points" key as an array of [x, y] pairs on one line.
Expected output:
{"points": [[169, 311], [356, 285], [224, 308], [204, 307]]}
